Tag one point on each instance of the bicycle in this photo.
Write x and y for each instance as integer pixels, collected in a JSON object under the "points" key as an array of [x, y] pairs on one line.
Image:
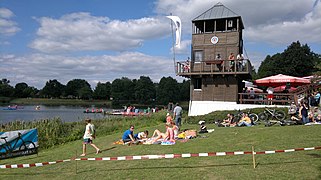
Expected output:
{"points": [[20, 147], [272, 116]]}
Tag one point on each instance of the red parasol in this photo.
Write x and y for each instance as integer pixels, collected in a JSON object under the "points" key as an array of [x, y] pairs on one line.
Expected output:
{"points": [[282, 88], [280, 79]]}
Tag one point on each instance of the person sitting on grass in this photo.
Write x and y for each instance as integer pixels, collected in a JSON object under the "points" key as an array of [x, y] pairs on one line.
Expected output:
{"points": [[229, 121], [168, 136], [88, 137], [203, 128], [245, 120], [169, 118], [175, 129], [128, 135]]}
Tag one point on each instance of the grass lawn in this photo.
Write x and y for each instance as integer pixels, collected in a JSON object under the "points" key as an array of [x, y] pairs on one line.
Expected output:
{"points": [[293, 165]]}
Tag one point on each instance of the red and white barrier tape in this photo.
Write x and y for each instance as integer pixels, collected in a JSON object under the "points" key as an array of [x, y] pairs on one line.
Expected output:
{"points": [[171, 156], [162, 156], [32, 165]]}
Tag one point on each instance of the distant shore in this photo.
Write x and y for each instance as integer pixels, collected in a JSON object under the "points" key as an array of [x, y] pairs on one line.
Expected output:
{"points": [[44, 101]]}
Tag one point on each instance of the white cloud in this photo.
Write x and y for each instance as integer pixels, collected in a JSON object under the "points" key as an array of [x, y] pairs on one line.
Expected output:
{"points": [[307, 30], [184, 49], [36, 69], [8, 27], [81, 31], [265, 21]]}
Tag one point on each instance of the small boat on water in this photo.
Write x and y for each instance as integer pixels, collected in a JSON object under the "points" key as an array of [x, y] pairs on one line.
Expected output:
{"points": [[114, 112], [10, 108], [101, 110], [13, 107], [124, 113]]}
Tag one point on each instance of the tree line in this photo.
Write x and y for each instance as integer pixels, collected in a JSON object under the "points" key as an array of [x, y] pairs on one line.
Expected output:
{"points": [[297, 60], [121, 90]]}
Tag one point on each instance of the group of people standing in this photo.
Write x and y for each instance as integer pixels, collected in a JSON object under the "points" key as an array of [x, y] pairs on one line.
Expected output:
{"points": [[234, 63]]}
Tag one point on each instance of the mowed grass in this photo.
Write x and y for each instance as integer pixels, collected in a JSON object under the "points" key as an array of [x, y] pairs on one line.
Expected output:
{"points": [[292, 165]]}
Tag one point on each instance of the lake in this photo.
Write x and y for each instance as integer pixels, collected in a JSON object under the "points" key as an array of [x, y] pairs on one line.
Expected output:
{"points": [[29, 113]]}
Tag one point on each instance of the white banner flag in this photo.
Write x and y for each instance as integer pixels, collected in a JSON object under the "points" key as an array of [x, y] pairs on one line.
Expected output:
{"points": [[177, 23]]}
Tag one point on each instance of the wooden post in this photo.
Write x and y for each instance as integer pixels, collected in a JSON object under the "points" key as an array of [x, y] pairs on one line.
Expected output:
{"points": [[253, 157], [76, 161]]}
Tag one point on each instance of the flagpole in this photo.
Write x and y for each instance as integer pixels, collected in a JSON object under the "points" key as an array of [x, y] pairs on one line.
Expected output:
{"points": [[173, 45]]}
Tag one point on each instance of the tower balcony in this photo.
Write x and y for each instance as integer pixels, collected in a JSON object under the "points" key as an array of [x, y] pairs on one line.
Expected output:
{"points": [[214, 67]]}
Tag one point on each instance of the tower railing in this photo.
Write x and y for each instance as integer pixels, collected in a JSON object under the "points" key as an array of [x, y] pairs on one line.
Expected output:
{"points": [[188, 68]]}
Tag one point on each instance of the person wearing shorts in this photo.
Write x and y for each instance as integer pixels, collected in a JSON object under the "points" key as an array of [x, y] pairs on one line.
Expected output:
{"points": [[88, 137], [270, 91]]}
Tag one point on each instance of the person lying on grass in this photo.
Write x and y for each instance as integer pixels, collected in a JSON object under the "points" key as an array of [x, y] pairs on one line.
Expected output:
{"points": [[88, 137], [141, 135]]}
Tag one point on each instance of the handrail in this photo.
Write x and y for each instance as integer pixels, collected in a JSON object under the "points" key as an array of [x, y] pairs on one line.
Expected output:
{"points": [[214, 66], [261, 98]]}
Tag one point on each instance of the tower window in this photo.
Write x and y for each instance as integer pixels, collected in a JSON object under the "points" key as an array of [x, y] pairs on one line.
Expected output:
{"points": [[198, 83], [230, 23], [198, 56]]}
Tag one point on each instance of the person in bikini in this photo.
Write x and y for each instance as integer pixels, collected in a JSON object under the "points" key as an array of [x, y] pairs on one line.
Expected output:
{"points": [[168, 136]]}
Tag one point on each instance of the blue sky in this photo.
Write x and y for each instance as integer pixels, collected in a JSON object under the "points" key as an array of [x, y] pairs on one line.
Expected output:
{"points": [[99, 40]]}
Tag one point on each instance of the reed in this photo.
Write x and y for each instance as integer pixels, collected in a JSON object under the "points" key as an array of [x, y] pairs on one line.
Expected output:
{"points": [[52, 132]]}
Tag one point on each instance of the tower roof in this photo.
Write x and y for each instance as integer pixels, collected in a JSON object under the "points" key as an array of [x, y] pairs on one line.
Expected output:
{"points": [[218, 11]]}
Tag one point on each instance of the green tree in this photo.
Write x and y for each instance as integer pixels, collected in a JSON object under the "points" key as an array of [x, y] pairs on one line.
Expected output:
{"points": [[184, 89], [122, 90], [145, 90], [53, 89], [5, 89], [296, 60], [20, 90], [85, 92], [31, 91], [167, 91], [74, 87], [102, 91]]}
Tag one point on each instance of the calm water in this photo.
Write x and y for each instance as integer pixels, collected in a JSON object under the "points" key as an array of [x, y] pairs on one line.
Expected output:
{"points": [[29, 113]]}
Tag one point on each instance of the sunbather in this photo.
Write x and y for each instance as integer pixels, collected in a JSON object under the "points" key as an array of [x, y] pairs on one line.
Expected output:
{"points": [[169, 135]]}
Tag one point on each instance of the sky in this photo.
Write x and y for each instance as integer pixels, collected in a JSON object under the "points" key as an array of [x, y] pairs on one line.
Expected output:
{"points": [[99, 40]]}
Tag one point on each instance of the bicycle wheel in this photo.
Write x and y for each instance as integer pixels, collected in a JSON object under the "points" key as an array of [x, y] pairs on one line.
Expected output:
{"points": [[254, 118], [28, 146], [262, 116], [279, 115]]}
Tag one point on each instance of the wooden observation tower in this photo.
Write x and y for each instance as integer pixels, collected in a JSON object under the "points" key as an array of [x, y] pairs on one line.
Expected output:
{"points": [[214, 75]]}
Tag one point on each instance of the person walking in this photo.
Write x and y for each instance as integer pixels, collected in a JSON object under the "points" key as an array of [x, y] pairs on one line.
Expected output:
{"points": [[90, 134], [178, 115]]}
